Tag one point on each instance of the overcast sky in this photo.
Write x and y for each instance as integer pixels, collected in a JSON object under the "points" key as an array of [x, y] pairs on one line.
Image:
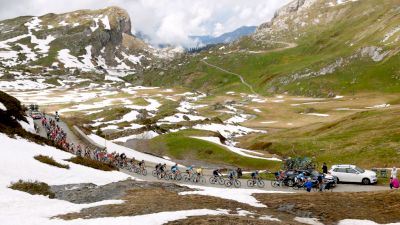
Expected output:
{"points": [[164, 21]]}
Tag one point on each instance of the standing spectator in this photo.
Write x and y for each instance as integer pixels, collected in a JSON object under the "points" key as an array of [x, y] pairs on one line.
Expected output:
{"points": [[308, 185], [394, 183], [393, 172], [324, 169]]}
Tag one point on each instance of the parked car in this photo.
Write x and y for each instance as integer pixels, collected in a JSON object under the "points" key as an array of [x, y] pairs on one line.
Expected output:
{"points": [[352, 173], [36, 115]]}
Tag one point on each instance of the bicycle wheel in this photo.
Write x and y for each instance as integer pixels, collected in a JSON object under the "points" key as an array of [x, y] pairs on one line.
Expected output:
{"points": [[221, 181], [154, 173], [185, 177], [212, 180], [202, 180], [274, 183], [228, 183], [137, 170], [260, 184], [250, 183], [144, 172], [178, 177], [237, 183]]}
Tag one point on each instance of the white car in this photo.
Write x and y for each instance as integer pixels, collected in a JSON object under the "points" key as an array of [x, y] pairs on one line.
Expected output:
{"points": [[352, 173]]}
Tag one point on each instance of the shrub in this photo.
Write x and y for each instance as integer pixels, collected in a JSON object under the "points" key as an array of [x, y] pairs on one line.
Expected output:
{"points": [[92, 163], [33, 188], [50, 161]]}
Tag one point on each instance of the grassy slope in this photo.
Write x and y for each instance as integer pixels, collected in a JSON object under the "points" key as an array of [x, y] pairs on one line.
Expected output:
{"points": [[181, 146], [319, 47], [367, 138]]}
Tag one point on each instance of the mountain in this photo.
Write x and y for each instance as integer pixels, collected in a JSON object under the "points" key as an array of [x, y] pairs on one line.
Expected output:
{"points": [[310, 47], [84, 42], [226, 37]]}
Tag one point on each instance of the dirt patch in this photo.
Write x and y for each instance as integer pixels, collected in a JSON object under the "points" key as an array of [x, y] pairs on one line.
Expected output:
{"points": [[146, 201], [329, 208], [222, 220]]}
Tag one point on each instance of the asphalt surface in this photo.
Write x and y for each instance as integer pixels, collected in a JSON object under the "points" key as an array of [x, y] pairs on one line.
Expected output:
{"points": [[207, 173]]}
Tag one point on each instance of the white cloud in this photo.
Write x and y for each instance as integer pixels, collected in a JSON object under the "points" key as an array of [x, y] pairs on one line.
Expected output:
{"points": [[164, 21]]}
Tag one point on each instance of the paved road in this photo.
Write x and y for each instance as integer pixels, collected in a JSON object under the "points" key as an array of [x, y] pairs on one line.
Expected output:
{"points": [[71, 137], [236, 74], [289, 45]]}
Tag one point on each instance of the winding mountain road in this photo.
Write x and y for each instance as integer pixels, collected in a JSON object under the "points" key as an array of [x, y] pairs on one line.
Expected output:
{"points": [[236, 74], [242, 80], [71, 137]]}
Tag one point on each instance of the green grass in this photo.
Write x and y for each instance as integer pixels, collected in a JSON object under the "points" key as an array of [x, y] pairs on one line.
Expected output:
{"points": [[368, 139], [140, 101], [33, 188], [318, 47], [50, 161], [180, 146], [92, 163], [111, 113]]}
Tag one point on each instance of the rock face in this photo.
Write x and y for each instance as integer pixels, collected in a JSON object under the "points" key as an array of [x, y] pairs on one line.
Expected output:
{"points": [[88, 41]]}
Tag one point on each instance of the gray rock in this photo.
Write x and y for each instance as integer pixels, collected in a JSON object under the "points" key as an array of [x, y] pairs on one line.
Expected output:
{"points": [[89, 193]]}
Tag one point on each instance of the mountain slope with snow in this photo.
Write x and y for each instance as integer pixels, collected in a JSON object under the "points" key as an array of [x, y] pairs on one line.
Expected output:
{"points": [[86, 43]]}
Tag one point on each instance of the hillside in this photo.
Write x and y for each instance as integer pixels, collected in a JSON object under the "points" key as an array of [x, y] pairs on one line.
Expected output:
{"points": [[311, 47], [94, 45]]}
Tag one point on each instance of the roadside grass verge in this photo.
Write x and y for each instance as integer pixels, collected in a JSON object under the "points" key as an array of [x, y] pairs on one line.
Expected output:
{"points": [[92, 163], [368, 139], [50, 161], [181, 147], [33, 188]]}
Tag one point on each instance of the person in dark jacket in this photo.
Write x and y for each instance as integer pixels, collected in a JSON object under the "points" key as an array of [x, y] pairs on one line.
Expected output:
{"points": [[324, 169]]}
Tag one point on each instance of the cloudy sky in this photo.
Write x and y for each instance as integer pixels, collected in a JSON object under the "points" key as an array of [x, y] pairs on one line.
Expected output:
{"points": [[163, 21]]}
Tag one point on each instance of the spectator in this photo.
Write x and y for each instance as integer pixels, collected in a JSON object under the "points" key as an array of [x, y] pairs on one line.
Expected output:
{"points": [[308, 185], [393, 172], [324, 169], [394, 183]]}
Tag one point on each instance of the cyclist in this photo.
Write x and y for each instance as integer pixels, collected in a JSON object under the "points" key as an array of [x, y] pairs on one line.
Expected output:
{"points": [[231, 174], [189, 170], [174, 168], [141, 164], [199, 172], [239, 173], [254, 175], [217, 173]]}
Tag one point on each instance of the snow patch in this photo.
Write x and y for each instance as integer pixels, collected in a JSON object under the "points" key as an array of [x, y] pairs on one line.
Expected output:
{"points": [[3, 107], [240, 195], [311, 221]]}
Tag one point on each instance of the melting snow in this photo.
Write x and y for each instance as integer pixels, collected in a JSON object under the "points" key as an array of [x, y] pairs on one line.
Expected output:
{"points": [[240, 195], [315, 114], [3, 107], [142, 136], [106, 23], [240, 151], [361, 222], [311, 221]]}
